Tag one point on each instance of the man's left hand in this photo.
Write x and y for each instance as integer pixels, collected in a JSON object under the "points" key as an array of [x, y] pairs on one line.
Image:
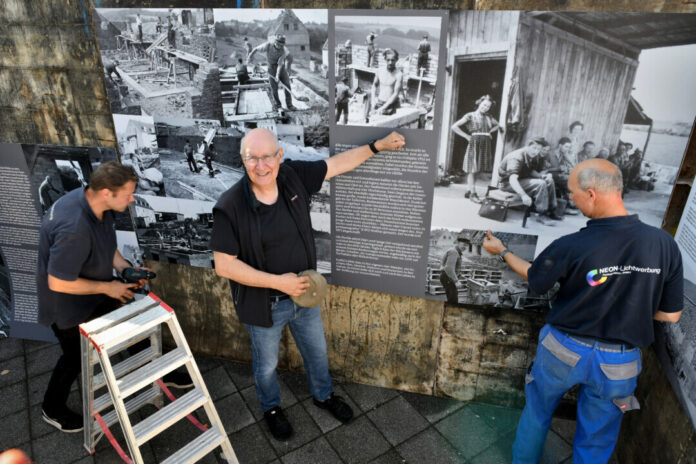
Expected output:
{"points": [[492, 244], [393, 141]]}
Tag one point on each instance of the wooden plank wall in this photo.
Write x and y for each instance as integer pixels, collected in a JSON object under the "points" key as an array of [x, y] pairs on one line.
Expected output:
{"points": [[474, 31], [568, 79]]}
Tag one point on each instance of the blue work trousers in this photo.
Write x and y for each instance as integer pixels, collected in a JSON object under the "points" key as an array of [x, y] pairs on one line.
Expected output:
{"points": [[607, 378], [307, 330]]}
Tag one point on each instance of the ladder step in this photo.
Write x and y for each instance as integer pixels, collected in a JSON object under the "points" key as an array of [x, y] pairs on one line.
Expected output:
{"points": [[114, 317], [143, 322], [122, 346], [128, 365], [132, 405], [204, 444], [168, 416], [151, 372]]}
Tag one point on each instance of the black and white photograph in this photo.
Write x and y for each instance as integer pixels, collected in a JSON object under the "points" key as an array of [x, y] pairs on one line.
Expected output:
{"points": [[138, 145], [160, 61], [531, 94], [272, 65], [56, 170], [174, 230], [5, 300], [386, 70], [461, 272]]}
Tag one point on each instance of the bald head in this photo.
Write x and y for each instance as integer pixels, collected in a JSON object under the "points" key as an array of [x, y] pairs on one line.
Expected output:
{"points": [[599, 175], [259, 140]]}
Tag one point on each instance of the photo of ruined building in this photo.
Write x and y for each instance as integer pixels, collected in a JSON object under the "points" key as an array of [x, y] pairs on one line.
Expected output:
{"points": [[160, 61], [255, 86], [386, 70]]}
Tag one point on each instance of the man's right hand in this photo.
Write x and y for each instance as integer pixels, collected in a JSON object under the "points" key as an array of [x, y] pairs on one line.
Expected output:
{"points": [[527, 200], [292, 284], [120, 291]]}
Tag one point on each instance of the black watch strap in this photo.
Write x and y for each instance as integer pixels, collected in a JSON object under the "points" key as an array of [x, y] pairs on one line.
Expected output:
{"points": [[373, 147], [502, 254]]}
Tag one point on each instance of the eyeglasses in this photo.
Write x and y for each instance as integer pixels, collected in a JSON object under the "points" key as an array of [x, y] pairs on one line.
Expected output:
{"points": [[267, 159]]}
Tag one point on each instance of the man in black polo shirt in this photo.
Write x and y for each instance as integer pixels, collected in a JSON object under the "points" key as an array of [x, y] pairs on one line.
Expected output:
{"points": [[262, 237], [616, 276]]}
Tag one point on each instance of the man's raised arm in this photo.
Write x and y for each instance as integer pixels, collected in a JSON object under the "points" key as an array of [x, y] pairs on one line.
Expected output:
{"points": [[351, 159]]}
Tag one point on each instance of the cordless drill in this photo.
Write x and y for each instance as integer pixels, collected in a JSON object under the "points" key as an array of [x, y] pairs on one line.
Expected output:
{"points": [[132, 275]]}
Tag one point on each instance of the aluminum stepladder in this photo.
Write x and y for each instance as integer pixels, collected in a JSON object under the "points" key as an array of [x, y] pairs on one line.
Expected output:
{"points": [[137, 377]]}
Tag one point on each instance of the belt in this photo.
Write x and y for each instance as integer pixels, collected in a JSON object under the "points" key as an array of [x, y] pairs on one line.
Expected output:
{"points": [[601, 345], [278, 298], [487, 134]]}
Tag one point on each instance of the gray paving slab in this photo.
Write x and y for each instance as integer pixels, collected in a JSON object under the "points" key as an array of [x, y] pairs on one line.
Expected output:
{"points": [[315, 452], [174, 438], [234, 413], [397, 420], [499, 452], [556, 449], [206, 363], [305, 430], [467, 432], [287, 399], [14, 398], [297, 382], [43, 360], [12, 371], [219, 383], [37, 387], [59, 447], [565, 428], [323, 418], [33, 345], [368, 397], [14, 429], [10, 347], [390, 457], [241, 374], [252, 446], [429, 446], [432, 407], [500, 418], [359, 441], [38, 427]]}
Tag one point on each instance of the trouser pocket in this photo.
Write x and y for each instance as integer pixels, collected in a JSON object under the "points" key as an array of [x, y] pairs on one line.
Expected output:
{"points": [[627, 403]]}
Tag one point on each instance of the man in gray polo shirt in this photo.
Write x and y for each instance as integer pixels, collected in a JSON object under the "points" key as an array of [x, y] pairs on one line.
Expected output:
{"points": [[77, 256]]}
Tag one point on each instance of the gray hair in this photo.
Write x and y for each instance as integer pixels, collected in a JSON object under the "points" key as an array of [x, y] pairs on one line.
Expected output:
{"points": [[601, 181], [242, 145]]}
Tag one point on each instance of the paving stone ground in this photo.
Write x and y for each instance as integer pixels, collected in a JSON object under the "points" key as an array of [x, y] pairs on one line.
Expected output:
{"points": [[389, 427]]}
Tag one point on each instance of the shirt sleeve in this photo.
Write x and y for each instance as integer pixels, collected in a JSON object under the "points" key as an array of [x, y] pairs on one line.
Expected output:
{"points": [[672, 300], [547, 269], [311, 173], [224, 237], [67, 255], [514, 165]]}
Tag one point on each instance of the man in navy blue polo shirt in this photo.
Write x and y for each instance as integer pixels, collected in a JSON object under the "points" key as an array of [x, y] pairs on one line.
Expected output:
{"points": [[262, 237], [77, 256], [616, 276]]}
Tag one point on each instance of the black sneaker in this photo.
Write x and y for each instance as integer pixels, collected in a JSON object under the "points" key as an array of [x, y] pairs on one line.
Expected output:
{"points": [[65, 421], [278, 424], [337, 407], [176, 379]]}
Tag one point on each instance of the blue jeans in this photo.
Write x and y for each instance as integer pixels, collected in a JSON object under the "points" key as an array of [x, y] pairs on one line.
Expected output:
{"points": [[607, 380], [308, 331]]}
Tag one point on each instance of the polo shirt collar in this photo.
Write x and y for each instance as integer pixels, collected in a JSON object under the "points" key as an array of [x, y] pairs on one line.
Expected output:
{"points": [[614, 220], [88, 209]]}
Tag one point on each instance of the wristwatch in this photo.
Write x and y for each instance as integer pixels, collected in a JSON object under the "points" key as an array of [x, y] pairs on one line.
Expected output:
{"points": [[502, 254], [373, 147]]}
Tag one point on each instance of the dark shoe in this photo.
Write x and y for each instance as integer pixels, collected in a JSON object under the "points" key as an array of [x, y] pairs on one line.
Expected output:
{"points": [[291, 108], [337, 407], [278, 424], [176, 379], [475, 198], [65, 421], [554, 216], [467, 195]]}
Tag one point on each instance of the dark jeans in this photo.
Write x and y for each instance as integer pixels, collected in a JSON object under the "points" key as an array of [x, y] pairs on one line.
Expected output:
{"points": [[450, 288], [192, 164], [69, 364], [342, 108]]}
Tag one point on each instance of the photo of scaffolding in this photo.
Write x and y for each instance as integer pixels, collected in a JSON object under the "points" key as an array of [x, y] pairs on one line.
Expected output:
{"points": [[481, 279], [386, 70], [160, 61], [272, 67]]}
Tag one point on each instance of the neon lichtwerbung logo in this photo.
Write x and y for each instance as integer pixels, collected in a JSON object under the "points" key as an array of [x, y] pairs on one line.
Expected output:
{"points": [[592, 281]]}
